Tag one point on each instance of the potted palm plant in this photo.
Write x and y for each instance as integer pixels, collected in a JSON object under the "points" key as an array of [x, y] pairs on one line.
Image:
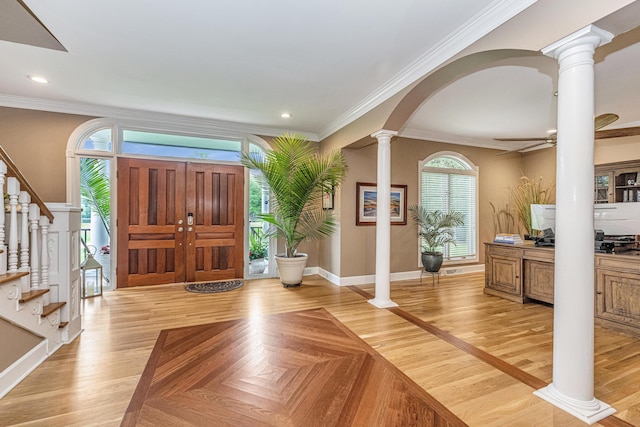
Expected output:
{"points": [[434, 228], [297, 176]]}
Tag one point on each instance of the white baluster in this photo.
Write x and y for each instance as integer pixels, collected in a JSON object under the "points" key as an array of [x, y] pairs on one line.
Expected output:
{"points": [[3, 244], [13, 188], [44, 261], [24, 198], [34, 217]]}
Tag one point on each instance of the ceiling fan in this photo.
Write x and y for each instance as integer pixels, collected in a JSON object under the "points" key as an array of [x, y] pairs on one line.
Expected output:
{"points": [[600, 121]]}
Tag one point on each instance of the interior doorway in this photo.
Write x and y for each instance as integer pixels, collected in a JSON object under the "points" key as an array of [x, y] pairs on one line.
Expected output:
{"points": [[179, 222]]}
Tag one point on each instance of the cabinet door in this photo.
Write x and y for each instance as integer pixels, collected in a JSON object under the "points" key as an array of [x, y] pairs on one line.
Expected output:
{"points": [[618, 297], [604, 187], [505, 275], [538, 280]]}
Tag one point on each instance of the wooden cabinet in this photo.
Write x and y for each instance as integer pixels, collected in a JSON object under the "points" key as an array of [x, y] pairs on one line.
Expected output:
{"points": [[616, 182], [618, 299], [618, 292], [538, 280], [520, 273], [503, 265]]}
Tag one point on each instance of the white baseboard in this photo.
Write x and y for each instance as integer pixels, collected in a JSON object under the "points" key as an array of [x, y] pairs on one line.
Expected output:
{"points": [[11, 377], [395, 277]]}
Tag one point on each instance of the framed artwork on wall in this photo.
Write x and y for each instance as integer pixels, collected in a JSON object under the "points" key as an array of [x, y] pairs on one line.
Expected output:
{"points": [[367, 206]]}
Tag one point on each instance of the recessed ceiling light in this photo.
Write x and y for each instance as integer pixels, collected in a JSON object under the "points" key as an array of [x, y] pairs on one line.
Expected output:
{"points": [[38, 79], [286, 115]]}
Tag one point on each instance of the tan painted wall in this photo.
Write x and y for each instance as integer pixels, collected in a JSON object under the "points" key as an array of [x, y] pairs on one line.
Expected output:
{"points": [[358, 242], [543, 162], [36, 141], [617, 150]]}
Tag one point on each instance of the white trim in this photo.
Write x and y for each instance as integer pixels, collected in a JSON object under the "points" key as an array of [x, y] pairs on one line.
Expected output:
{"points": [[494, 15], [395, 277], [174, 121], [590, 412], [468, 141], [21, 368]]}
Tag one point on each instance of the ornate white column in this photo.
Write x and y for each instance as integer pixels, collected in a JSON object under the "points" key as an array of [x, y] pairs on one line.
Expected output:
{"points": [[382, 296], [573, 314]]}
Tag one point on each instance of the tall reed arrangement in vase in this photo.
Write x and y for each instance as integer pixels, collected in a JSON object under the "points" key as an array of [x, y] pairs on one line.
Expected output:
{"points": [[529, 192]]}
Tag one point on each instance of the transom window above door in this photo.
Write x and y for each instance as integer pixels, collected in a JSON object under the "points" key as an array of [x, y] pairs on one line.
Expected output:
{"points": [[179, 146]]}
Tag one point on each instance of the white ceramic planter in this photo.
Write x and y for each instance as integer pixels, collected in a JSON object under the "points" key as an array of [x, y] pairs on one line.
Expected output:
{"points": [[291, 269], [257, 266]]}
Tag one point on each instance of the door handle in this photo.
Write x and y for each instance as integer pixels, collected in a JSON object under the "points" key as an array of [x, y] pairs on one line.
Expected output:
{"points": [[180, 229], [190, 229]]}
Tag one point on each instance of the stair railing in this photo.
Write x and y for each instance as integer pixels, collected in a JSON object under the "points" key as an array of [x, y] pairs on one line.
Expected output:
{"points": [[25, 220]]}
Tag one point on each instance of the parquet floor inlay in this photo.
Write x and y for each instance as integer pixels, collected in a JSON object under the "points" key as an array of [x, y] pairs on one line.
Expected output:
{"points": [[299, 368]]}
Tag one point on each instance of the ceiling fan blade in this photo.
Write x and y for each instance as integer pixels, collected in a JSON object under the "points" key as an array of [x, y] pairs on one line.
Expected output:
{"points": [[618, 133], [604, 120], [547, 141]]}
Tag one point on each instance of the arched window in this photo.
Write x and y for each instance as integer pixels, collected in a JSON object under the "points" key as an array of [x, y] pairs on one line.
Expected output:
{"points": [[448, 183]]}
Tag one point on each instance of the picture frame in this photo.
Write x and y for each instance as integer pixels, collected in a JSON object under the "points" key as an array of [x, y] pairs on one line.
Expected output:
{"points": [[327, 199], [366, 204]]}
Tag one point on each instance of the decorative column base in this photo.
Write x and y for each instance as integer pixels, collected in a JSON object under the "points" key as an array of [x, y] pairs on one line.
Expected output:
{"points": [[382, 303], [588, 411]]}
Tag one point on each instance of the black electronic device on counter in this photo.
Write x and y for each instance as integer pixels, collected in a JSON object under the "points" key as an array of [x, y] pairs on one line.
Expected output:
{"points": [[548, 238]]}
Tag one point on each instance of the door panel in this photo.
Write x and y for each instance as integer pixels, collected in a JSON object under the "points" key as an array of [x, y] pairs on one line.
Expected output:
{"points": [[214, 245], [154, 247], [151, 200]]}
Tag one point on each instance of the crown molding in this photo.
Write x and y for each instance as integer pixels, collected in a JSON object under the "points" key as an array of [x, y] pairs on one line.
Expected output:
{"points": [[480, 25], [178, 121], [460, 140]]}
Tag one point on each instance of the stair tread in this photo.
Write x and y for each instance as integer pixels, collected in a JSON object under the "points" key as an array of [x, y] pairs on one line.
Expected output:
{"points": [[63, 324], [28, 296], [48, 309], [7, 277]]}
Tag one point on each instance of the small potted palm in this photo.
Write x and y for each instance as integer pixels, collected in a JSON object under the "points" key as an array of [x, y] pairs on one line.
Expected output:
{"points": [[297, 176], [434, 229]]}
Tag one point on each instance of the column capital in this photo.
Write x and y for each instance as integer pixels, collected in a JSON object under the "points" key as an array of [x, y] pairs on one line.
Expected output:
{"points": [[589, 36], [384, 133]]}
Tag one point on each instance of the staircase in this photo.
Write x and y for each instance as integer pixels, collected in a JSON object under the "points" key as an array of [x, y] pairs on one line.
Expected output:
{"points": [[39, 276]]}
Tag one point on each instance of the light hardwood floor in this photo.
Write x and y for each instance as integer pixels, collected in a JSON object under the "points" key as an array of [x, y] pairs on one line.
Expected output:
{"points": [[481, 356]]}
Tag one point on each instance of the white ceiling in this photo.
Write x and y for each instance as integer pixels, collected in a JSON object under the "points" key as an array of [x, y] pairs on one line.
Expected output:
{"points": [[325, 61]]}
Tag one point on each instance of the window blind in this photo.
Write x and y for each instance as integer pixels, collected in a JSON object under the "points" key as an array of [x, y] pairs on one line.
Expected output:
{"points": [[448, 191]]}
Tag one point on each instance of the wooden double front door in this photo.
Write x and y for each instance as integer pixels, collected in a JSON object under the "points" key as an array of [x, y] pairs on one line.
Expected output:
{"points": [[178, 222]]}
